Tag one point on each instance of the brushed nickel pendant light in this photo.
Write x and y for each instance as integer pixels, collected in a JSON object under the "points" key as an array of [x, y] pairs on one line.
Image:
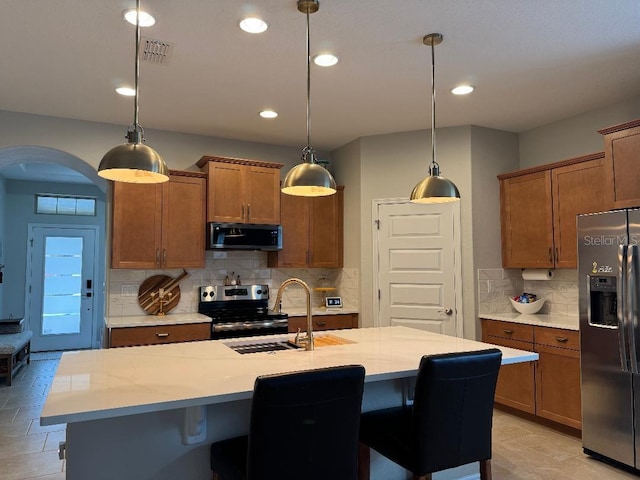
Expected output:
{"points": [[309, 179], [134, 162], [434, 188]]}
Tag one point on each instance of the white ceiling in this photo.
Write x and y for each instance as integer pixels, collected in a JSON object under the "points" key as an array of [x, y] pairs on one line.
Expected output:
{"points": [[532, 61]]}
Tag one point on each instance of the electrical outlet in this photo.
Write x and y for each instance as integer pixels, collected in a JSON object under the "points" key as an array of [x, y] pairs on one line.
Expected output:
{"points": [[129, 290]]}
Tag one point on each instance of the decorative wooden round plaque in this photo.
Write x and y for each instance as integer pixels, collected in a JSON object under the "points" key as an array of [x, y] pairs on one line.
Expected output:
{"points": [[149, 294]]}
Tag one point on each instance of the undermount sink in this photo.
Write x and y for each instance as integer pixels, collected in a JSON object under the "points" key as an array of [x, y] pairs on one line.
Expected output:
{"points": [[261, 346], [283, 343]]}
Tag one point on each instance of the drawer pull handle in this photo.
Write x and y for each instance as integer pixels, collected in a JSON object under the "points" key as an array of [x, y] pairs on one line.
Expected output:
{"points": [[321, 323], [562, 339], [508, 331], [162, 335]]}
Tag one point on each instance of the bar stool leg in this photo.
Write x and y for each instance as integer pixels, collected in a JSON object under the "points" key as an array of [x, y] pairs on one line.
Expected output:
{"points": [[485, 469], [364, 461]]}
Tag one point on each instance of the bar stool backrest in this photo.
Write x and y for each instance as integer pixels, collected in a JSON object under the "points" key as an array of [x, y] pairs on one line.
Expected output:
{"points": [[305, 425], [453, 408]]}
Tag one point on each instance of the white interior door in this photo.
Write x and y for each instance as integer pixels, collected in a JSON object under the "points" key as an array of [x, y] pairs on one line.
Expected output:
{"points": [[419, 277], [60, 298]]}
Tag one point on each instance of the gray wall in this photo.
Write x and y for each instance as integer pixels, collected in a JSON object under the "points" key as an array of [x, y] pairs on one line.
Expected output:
{"points": [[89, 141], [347, 170], [574, 136], [20, 201], [388, 166], [3, 216]]}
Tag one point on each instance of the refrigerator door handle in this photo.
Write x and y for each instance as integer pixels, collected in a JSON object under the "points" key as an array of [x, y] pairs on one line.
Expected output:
{"points": [[633, 269], [621, 310]]}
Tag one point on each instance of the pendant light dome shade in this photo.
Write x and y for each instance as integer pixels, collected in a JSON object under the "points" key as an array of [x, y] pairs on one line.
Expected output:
{"points": [[134, 162], [308, 179], [434, 188]]}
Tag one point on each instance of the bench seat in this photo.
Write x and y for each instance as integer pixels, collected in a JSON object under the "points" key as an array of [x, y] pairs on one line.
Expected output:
{"points": [[15, 350]]}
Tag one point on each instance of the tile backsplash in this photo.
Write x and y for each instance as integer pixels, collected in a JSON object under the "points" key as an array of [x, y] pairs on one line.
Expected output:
{"points": [[250, 266], [496, 285]]}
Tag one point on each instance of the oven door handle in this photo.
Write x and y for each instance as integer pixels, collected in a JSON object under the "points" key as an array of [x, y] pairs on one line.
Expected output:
{"points": [[225, 327]]}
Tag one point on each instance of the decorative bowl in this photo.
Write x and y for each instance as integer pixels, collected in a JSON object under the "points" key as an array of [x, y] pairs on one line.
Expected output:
{"points": [[528, 308]]}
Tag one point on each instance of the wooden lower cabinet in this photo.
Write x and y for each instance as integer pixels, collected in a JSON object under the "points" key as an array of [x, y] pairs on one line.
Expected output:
{"points": [[548, 388], [558, 382], [324, 322], [158, 335]]}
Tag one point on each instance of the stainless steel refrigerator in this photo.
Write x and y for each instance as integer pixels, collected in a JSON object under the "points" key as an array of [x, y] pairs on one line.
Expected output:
{"points": [[609, 304]]}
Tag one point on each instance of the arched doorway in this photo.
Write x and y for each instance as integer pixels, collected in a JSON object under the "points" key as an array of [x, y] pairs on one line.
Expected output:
{"points": [[20, 290]]}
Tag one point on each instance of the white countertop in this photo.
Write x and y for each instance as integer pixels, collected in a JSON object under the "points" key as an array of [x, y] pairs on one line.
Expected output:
{"points": [[302, 312], [550, 320], [183, 318], [153, 320], [97, 384]]}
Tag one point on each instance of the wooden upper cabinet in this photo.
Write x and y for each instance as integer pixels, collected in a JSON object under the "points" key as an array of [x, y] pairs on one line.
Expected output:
{"points": [[622, 159], [539, 208], [183, 222], [577, 189], [326, 231], [159, 225], [242, 191], [312, 232], [526, 219], [136, 232]]}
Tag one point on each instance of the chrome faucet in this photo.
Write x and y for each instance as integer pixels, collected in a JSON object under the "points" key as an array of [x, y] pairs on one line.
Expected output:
{"points": [[308, 339]]}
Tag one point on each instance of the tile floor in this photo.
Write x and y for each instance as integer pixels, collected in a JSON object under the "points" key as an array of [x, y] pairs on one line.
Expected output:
{"points": [[522, 450], [27, 450]]}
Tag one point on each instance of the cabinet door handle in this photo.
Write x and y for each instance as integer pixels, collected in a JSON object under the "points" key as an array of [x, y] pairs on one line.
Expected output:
{"points": [[556, 255], [157, 256], [242, 213], [164, 257], [321, 323], [508, 331], [550, 255], [248, 212], [562, 339], [162, 335]]}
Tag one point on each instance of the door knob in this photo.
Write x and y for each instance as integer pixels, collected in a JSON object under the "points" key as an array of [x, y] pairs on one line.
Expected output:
{"points": [[446, 311]]}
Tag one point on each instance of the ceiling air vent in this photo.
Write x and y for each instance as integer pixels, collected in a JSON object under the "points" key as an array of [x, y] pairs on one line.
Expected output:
{"points": [[156, 51]]}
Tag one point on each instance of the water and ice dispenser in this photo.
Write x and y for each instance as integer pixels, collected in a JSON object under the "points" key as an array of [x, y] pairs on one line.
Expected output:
{"points": [[603, 301]]}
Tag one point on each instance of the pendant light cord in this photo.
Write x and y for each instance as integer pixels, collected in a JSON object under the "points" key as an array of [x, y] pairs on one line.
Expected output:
{"points": [[433, 113], [308, 148], [137, 67]]}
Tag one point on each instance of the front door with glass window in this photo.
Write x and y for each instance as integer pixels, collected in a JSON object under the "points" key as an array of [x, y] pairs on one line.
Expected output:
{"points": [[60, 289]]}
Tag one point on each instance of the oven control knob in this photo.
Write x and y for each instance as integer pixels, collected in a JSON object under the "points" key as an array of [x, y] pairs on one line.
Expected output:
{"points": [[259, 292]]}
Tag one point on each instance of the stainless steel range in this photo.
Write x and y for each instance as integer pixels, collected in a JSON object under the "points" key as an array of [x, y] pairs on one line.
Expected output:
{"points": [[240, 311]]}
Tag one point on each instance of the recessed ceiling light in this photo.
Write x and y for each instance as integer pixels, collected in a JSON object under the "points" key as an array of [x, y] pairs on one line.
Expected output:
{"points": [[325, 59], [146, 19], [126, 91], [253, 25], [463, 89], [268, 114]]}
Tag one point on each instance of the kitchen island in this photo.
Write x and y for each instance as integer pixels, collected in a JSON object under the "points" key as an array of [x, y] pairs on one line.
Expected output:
{"points": [[152, 412]]}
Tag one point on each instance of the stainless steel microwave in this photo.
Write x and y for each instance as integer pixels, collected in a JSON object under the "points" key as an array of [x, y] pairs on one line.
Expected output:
{"points": [[240, 236]]}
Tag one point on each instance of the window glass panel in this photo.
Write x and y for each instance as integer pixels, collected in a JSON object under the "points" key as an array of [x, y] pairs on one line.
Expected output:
{"points": [[62, 285], [86, 206], [46, 205], [66, 206], [63, 205]]}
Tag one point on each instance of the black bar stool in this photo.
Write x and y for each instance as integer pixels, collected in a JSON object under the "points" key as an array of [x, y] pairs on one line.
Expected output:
{"points": [[449, 423], [303, 425]]}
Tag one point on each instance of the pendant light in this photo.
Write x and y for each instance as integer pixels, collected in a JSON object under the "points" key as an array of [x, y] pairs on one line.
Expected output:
{"points": [[134, 162], [434, 188], [309, 179]]}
